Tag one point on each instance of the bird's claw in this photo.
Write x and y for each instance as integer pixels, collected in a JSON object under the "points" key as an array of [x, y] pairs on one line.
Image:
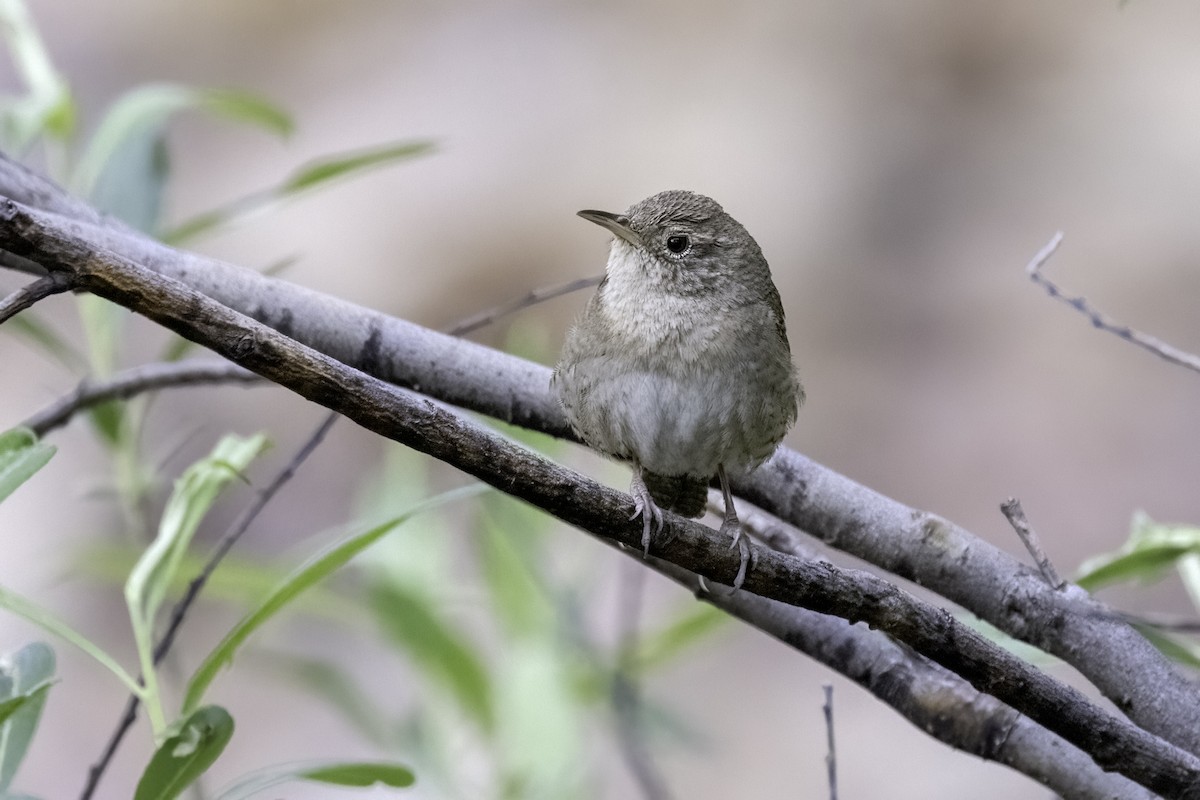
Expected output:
{"points": [[652, 522], [732, 528], [645, 507]]}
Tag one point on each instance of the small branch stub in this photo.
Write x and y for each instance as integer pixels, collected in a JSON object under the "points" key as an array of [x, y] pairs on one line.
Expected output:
{"points": [[1012, 511]]}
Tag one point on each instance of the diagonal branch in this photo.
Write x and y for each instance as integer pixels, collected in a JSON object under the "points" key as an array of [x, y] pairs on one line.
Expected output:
{"points": [[134, 381], [398, 414], [910, 543], [32, 292], [1164, 350]]}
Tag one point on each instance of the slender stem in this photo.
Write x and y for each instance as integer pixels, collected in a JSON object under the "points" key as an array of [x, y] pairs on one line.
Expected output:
{"points": [[181, 608], [831, 754], [54, 283], [135, 381], [1158, 347]]}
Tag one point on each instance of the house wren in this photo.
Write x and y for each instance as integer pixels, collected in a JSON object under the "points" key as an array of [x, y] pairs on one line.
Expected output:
{"points": [[680, 363]]}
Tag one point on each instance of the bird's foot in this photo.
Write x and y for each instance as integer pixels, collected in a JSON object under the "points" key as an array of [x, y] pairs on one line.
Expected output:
{"points": [[732, 528], [645, 507]]}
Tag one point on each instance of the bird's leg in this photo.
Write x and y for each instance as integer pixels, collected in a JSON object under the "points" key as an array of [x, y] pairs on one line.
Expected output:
{"points": [[731, 527], [644, 506]]}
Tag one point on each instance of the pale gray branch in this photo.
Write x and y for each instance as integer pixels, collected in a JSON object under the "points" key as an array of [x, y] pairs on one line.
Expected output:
{"points": [[1114, 744], [910, 543]]}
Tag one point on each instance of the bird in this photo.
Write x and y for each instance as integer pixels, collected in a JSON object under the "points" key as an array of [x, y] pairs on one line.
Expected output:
{"points": [[680, 362]]}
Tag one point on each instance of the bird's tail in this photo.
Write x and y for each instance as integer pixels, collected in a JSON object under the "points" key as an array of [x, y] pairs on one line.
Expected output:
{"points": [[686, 495]]}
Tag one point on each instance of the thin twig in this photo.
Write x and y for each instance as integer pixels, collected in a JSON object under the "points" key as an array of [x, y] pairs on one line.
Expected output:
{"points": [[1102, 321], [54, 283], [1016, 517], [626, 695], [531, 298], [829, 502], [231, 537], [131, 382], [831, 754]]}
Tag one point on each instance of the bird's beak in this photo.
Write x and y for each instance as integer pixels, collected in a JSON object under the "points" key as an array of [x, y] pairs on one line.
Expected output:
{"points": [[617, 223]]}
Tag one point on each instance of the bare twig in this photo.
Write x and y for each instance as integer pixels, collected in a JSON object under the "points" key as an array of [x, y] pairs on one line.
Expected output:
{"points": [[30, 293], [1016, 517], [839, 511], [1102, 321], [131, 382], [605, 512], [831, 753], [626, 695], [231, 537], [531, 298], [914, 544]]}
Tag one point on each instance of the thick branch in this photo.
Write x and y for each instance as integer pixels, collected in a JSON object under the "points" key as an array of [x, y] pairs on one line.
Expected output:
{"points": [[427, 427], [907, 542], [929, 696], [934, 699]]}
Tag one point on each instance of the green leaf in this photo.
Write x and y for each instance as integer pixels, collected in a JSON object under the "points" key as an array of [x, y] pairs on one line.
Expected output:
{"points": [[46, 108], [311, 572], [362, 773], [236, 105], [34, 330], [336, 773], [1151, 549], [27, 677], [441, 651], [1021, 650], [21, 455], [506, 557], [142, 114], [125, 166], [132, 183], [697, 622], [310, 176], [1176, 648], [185, 756], [195, 492], [340, 166], [1189, 572], [52, 624], [326, 681], [236, 580], [103, 323], [541, 722]]}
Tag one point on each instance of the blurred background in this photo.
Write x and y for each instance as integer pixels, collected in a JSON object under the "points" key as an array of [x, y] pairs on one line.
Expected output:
{"points": [[899, 164]]}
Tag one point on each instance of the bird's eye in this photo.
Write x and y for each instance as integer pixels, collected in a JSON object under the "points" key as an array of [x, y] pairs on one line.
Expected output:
{"points": [[677, 244]]}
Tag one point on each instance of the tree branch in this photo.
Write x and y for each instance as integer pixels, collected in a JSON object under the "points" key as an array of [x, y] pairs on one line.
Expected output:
{"points": [[910, 543], [134, 381], [1158, 347], [1015, 514], [426, 426], [933, 699], [32, 292]]}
